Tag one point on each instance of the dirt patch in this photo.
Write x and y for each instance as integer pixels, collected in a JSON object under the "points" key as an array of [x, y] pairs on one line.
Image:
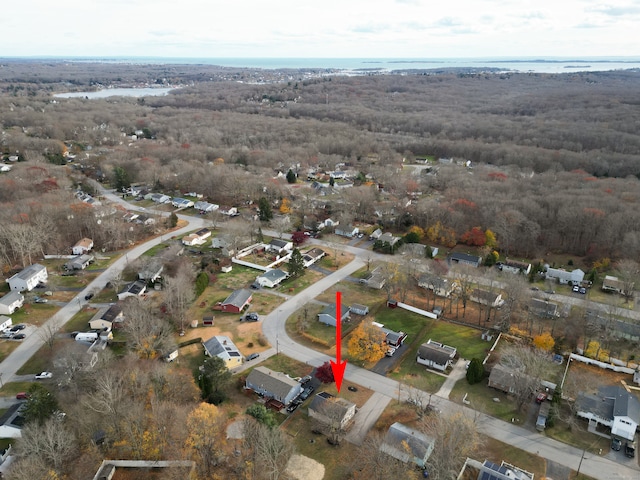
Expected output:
{"points": [[588, 378], [304, 468]]}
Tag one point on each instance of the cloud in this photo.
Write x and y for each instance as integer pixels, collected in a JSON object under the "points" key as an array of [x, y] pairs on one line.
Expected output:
{"points": [[448, 22], [618, 11]]}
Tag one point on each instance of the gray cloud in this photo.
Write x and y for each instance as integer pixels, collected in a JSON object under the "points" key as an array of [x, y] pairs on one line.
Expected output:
{"points": [[618, 11]]}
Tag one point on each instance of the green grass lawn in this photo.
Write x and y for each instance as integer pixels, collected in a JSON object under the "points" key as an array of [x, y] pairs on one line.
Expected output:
{"points": [[80, 321], [466, 340], [39, 362], [34, 314], [10, 389], [481, 398]]}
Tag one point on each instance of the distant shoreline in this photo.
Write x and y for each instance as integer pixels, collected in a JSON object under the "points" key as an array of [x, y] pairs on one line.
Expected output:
{"points": [[373, 65]]}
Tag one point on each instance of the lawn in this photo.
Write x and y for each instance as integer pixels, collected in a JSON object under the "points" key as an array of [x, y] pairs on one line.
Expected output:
{"points": [[11, 388], [34, 314], [466, 340], [80, 321], [39, 362], [481, 398], [496, 451]]}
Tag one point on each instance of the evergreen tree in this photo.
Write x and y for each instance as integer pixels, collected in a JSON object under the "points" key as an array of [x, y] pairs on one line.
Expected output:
{"points": [[265, 214], [173, 220], [291, 176], [296, 263], [475, 371]]}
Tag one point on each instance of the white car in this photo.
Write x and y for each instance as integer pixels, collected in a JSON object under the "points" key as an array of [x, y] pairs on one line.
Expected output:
{"points": [[43, 375]]}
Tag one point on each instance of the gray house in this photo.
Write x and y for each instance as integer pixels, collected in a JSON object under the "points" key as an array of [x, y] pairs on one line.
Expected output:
{"points": [[10, 302], [407, 444], [436, 355], [614, 407], [464, 259], [543, 308], [273, 384], [359, 309], [328, 314], [79, 262]]}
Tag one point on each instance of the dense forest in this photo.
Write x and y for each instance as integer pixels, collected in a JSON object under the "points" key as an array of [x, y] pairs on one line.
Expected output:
{"points": [[555, 158]]}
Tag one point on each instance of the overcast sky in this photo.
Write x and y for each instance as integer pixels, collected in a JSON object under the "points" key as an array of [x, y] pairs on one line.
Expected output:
{"points": [[325, 28]]}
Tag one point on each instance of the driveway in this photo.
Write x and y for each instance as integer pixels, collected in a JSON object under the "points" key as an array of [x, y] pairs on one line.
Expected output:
{"points": [[366, 417]]}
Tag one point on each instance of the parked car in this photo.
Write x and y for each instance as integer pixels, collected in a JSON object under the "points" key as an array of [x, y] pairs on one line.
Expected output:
{"points": [[616, 444], [251, 317], [43, 375], [6, 334], [88, 296], [630, 449], [40, 300], [292, 406], [17, 328], [541, 397], [252, 356], [305, 379], [19, 336], [575, 289], [583, 290], [22, 396]]}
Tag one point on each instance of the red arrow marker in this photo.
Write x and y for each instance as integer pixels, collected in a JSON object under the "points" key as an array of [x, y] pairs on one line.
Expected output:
{"points": [[338, 366]]}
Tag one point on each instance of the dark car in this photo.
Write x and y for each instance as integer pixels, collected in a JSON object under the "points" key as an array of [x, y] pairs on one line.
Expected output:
{"points": [[630, 449], [17, 328], [583, 290], [19, 336], [306, 392], [88, 296], [22, 396], [252, 356], [251, 317], [616, 444], [292, 406]]}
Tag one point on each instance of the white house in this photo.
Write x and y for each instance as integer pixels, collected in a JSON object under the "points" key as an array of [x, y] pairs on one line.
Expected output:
{"points": [[484, 297], [181, 202], [279, 246], [436, 355], [312, 256], [614, 407], [229, 211], [134, 289], [513, 266], [223, 347], [205, 207], [271, 278], [348, 231], [83, 246], [28, 278], [197, 238], [11, 302], [574, 277], [439, 285]]}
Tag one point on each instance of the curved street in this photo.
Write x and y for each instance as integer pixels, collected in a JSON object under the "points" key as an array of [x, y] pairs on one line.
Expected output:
{"points": [[274, 329]]}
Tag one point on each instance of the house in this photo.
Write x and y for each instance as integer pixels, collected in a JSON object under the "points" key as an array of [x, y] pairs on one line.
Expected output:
{"points": [[11, 421], [393, 339], [137, 288], [375, 279], [229, 211], [543, 308], [224, 348], [205, 207], [236, 302], [145, 220], [83, 246], [436, 355], [159, 198], [563, 277], [359, 309], [151, 271], [328, 315], [109, 317], [464, 259], [279, 246], [388, 238], [502, 378], [271, 278], [473, 469], [79, 262], [407, 445], [5, 322], [10, 302], [376, 234], [28, 278], [484, 297], [272, 384], [220, 242], [181, 202], [312, 256], [330, 410], [327, 223], [614, 284], [348, 231], [513, 266], [130, 216], [613, 407], [197, 238], [440, 286]]}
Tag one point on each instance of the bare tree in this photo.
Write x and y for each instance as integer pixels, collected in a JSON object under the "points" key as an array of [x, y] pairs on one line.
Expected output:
{"points": [[268, 450], [371, 464], [148, 334], [179, 293], [455, 438], [53, 442], [628, 272], [48, 331]]}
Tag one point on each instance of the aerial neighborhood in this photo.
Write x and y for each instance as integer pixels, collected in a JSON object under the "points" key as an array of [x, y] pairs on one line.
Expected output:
{"points": [[180, 307]]}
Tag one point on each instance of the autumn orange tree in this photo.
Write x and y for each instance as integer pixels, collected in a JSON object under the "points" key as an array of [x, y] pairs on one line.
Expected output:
{"points": [[367, 343], [544, 341], [206, 438]]}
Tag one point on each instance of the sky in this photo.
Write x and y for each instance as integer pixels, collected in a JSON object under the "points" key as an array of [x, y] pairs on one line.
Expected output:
{"points": [[321, 29]]}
